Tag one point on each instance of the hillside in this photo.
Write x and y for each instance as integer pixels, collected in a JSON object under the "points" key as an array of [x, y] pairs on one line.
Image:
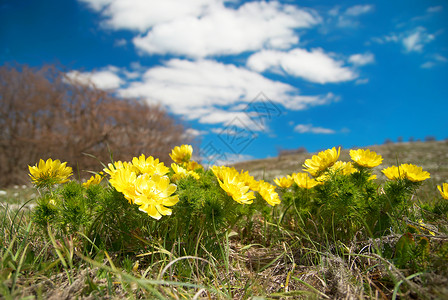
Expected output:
{"points": [[431, 156]]}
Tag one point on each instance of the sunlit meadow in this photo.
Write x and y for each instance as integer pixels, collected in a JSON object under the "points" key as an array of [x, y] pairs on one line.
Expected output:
{"points": [[143, 229]]}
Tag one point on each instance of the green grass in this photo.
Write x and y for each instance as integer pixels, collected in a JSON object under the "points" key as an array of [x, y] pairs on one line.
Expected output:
{"points": [[262, 258]]}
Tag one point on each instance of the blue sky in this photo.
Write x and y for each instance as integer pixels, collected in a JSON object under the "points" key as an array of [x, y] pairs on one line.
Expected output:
{"points": [[251, 77]]}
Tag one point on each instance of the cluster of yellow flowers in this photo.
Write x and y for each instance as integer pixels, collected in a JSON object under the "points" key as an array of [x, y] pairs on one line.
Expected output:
{"points": [[328, 160], [183, 166], [241, 186], [320, 162], [316, 166], [301, 179], [406, 171], [144, 181]]}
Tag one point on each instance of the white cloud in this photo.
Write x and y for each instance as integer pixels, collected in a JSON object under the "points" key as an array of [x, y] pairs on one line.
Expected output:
{"points": [[120, 43], [200, 28], [428, 65], [194, 134], [104, 79], [362, 81], [362, 59], [191, 132], [349, 17], [226, 159], [204, 90], [412, 40], [434, 9], [416, 40], [238, 119], [314, 65], [222, 30], [358, 10], [97, 4], [434, 60], [391, 38], [235, 128], [440, 58], [334, 11], [141, 15], [309, 128]]}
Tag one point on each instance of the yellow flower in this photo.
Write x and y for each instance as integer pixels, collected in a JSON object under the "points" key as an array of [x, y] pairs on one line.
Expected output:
{"points": [[95, 179], [284, 182], [222, 171], [304, 181], [414, 173], [268, 193], [323, 178], [408, 171], [149, 165], [181, 154], [248, 180], [393, 173], [154, 195], [346, 168], [366, 158], [114, 167], [235, 188], [236, 184], [123, 180], [320, 162], [180, 172], [192, 166], [443, 190], [49, 172]]}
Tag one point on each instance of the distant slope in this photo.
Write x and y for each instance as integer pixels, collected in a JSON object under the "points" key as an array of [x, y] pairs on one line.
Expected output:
{"points": [[431, 156]]}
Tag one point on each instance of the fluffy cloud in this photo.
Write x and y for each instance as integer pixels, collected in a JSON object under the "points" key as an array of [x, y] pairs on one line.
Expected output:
{"points": [[309, 128], [434, 60], [223, 31], [428, 65], [206, 90], [193, 133], [314, 65], [415, 40], [349, 17], [140, 15], [227, 159], [358, 10], [200, 28], [434, 9], [412, 40], [103, 79], [362, 81], [203, 89], [361, 59]]}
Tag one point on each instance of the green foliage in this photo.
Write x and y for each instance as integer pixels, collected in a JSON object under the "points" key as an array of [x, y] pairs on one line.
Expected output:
{"points": [[354, 205], [204, 213], [342, 207], [207, 231], [97, 212]]}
